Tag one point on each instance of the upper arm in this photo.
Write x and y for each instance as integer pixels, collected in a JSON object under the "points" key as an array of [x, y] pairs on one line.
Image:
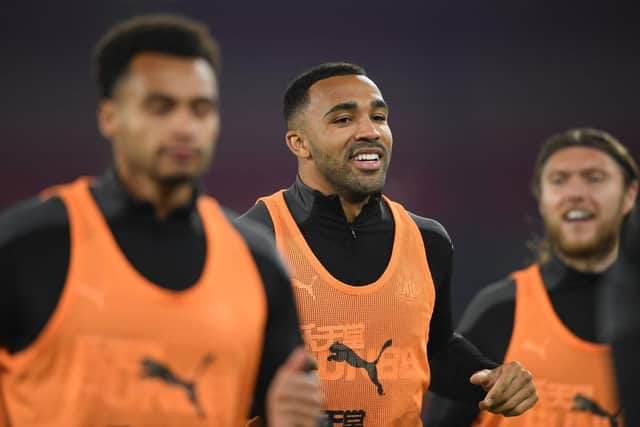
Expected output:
{"points": [[439, 250], [257, 214], [488, 320], [282, 330], [33, 233]]}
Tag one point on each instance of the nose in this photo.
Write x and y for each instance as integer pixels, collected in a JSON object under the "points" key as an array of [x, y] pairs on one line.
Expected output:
{"points": [[576, 189], [183, 124], [367, 130]]}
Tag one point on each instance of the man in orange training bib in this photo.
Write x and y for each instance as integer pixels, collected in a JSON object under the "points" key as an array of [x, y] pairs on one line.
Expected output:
{"points": [[585, 183], [371, 279], [131, 300]]}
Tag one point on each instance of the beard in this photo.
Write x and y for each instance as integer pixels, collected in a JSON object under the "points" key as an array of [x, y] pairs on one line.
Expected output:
{"points": [[173, 176], [603, 241], [339, 172], [169, 181]]}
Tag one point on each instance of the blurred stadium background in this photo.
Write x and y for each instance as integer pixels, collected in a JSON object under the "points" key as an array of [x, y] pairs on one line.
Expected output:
{"points": [[474, 87]]}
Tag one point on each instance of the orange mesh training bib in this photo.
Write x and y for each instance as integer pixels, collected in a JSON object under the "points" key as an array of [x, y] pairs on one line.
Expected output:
{"points": [[370, 341], [572, 376], [121, 351]]}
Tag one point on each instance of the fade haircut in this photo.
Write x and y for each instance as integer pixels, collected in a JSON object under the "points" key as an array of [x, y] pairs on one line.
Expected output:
{"points": [[296, 96], [158, 33]]}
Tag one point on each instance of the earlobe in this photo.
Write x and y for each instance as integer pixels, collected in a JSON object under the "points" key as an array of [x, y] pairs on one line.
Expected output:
{"points": [[630, 197], [106, 118], [297, 144]]}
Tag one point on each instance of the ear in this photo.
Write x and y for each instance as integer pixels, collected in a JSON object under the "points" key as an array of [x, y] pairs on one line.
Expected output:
{"points": [[630, 197], [298, 144], [107, 118]]}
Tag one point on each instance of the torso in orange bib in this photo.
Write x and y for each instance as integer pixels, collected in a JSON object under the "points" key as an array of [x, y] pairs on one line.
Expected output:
{"points": [[574, 378], [121, 351], [370, 341]]}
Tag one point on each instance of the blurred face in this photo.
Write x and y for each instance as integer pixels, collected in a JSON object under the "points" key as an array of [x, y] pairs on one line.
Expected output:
{"points": [[583, 201], [347, 130], [163, 119]]}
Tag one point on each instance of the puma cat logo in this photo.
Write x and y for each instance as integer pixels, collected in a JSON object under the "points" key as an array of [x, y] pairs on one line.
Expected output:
{"points": [[342, 353], [154, 369], [305, 287], [584, 404]]}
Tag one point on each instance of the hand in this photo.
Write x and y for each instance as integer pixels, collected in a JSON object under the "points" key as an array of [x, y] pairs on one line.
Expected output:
{"points": [[293, 398], [510, 389]]}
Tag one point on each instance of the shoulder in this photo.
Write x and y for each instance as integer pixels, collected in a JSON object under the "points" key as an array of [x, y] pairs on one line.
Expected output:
{"points": [[436, 240], [257, 237], [32, 217], [258, 214], [497, 299], [432, 230]]}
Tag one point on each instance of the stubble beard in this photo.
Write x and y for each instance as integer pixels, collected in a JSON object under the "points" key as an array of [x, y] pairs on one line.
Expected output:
{"points": [[346, 181], [604, 241]]}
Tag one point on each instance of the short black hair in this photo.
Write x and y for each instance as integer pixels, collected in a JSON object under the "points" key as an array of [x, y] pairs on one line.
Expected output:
{"points": [[297, 94], [160, 33], [585, 137]]}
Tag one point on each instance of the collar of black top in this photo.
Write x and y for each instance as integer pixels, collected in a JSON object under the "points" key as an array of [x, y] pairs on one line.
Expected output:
{"points": [[557, 274], [109, 188], [313, 203]]}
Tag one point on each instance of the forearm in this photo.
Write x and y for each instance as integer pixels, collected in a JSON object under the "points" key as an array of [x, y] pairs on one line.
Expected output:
{"points": [[452, 366]]}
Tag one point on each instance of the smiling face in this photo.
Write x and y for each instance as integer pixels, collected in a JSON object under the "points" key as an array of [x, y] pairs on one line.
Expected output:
{"points": [[583, 201], [342, 137], [163, 119]]}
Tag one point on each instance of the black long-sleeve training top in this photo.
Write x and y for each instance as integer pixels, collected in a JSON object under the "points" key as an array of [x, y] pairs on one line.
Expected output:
{"points": [[488, 323], [34, 258], [357, 253]]}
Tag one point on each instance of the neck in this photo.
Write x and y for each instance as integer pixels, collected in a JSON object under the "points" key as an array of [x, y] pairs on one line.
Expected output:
{"points": [[593, 264], [165, 198], [351, 206]]}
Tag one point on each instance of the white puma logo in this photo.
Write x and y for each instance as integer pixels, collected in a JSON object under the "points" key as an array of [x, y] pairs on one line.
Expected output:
{"points": [[91, 294], [539, 349], [300, 285]]}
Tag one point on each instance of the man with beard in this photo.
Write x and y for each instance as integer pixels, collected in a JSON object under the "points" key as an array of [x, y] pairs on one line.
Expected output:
{"points": [[131, 299], [371, 279], [585, 182]]}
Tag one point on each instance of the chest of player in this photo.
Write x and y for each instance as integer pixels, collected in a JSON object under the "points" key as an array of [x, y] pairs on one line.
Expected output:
{"points": [[574, 378], [119, 350]]}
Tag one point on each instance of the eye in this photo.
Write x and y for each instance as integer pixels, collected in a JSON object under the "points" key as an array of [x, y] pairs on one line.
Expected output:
{"points": [[203, 107], [557, 179], [596, 177], [342, 120], [159, 105], [379, 118]]}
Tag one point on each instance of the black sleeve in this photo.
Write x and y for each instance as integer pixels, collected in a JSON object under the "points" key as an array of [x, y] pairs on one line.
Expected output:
{"points": [[488, 320], [439, 251], [282, 332], [487, 323], [452, 359], [33, 233], [621, 318], [260, 214], [442, 412]]}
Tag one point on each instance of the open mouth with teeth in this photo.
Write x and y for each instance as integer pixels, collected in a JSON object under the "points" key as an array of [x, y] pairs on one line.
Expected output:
{"points": [[578, 215], [367, 160]]}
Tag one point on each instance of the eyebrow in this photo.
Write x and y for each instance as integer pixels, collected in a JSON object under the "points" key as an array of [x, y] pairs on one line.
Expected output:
{"points": [[167, 97], [379, 103], [352, 105]]}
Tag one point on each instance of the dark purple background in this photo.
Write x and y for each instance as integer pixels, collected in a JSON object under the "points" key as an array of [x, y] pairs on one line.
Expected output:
{"points": [[474, 87]]}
